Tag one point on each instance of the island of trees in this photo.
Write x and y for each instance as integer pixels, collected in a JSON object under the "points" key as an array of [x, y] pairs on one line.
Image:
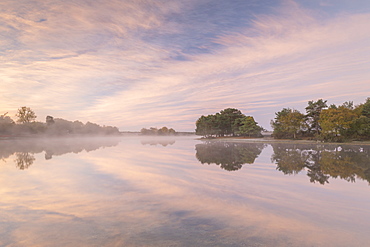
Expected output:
{"points": [[228, 122], [164, 131], [26, 125], [322, 122], [332, 123]]}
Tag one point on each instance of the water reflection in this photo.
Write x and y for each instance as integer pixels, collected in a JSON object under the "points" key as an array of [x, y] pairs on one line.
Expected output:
{"points": [[155, 142], [347, 162], [141, 195], [321, 162], [25, 149], [229, 156], [23, 160]]}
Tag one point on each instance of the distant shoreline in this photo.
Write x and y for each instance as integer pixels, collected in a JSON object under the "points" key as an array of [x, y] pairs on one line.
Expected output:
{"points": [[120, 134], [43, 136], [272, 140]]}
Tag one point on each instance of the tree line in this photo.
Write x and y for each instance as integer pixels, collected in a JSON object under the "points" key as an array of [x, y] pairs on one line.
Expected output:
{"points": [[228, 122], [164, 131], [26, 124], [322, 122]]}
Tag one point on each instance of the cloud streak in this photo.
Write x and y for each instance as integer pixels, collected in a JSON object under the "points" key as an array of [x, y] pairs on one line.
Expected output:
{"points": [[137, 64]]}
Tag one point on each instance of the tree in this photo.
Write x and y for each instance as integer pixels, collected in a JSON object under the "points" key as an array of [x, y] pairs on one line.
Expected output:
{"points": [[226, 122], [171, 131], [92, 128], [208, 126], [366, 108], [144, 131], [288, 123], [77, 127], [4, 119], [6, 124], [25, 115], [278, 125], [336, 122], [163, 131], [227, 119], [246, 126], [333, 123], [312, 117], [361, 126], [50, 120], [60, 127]]}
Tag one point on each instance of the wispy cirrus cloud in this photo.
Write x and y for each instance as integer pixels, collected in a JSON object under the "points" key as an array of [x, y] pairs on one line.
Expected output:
{"points": [[137, 64]]}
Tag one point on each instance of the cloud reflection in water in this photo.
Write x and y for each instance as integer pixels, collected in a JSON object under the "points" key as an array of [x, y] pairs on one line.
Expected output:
{"points": [[150, 195]]}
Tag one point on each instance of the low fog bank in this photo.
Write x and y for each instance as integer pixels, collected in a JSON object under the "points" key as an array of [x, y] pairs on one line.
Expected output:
{"points": [[26, 126]]}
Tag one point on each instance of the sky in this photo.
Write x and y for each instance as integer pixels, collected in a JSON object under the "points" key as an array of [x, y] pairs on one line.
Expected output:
{"points": [[151, 63]]}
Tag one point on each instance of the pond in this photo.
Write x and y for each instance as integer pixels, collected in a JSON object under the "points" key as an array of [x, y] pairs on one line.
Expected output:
{"points": [[133, 191]]}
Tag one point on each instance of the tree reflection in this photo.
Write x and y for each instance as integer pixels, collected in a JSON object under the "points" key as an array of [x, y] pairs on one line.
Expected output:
{"points": [[289, 161], [24, 160], [164, 143], [321, 162], [347, 162], [229, 156], [24, 150]]}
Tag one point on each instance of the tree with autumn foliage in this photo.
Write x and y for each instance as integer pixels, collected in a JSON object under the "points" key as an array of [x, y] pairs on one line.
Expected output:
{"points": [[288, 123], [336, 123]]}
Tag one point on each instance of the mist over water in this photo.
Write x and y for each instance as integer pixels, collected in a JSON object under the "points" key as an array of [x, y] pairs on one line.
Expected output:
{"points": [[178, 191], [25, 149]]}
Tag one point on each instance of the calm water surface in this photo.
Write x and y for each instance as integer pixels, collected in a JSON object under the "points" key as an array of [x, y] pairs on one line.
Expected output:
{"points": [[182, 192]]}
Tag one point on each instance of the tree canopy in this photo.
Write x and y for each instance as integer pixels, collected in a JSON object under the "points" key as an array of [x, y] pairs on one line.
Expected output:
{"points": [[25, 115], [164, 131], [228, 122], [288, 123], [333, 123], [313, 115]]}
